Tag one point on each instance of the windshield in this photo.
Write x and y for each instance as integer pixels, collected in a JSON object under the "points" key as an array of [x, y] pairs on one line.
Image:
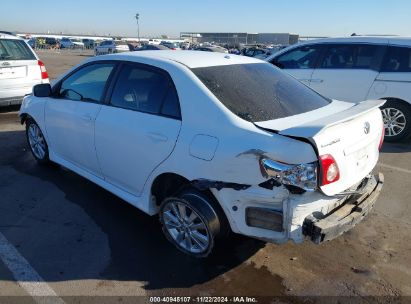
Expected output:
{"points": [[11, 49], [259, 91]]}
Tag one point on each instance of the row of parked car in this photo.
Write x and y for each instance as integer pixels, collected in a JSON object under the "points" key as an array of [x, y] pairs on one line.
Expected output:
{"points": [[117, 46], [53, 43]]}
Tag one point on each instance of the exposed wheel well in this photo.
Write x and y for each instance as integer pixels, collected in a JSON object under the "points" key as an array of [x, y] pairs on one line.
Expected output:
{"points": [[24, 117], [167, 184], [388, 99], [170, 184]]}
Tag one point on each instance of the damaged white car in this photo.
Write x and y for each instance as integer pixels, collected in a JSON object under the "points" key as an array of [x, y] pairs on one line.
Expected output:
{"points": [[212, 143]]}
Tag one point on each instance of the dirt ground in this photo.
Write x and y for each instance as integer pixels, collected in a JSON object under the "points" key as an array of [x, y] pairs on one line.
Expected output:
{"points": [[84, 241]]}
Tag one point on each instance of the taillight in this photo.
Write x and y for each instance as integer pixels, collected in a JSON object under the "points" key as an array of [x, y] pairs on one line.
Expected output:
{"points": [[303, 176], [382, 137], [44, 74], [329, 170]]}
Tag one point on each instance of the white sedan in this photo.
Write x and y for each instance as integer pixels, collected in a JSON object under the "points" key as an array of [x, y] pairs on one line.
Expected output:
{"points": [[212, 143]]}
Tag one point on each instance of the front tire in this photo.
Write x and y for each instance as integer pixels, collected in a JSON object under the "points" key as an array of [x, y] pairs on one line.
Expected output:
{"points": [[397, 120], [191, 223], [37, 142]]}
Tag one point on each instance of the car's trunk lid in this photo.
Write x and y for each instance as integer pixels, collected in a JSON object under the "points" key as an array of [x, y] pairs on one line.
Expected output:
{"points": [[349, 132]]}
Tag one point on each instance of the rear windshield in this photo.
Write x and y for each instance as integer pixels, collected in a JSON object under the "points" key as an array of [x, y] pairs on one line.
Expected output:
{"points": [[259, 91], [11, 49]]}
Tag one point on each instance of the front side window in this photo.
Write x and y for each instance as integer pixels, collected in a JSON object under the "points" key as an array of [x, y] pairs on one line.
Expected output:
{"points": [[86, 84], [397, 59], [145, 90], [303, 57], [13, 49], [259, 91], [349, 56]]}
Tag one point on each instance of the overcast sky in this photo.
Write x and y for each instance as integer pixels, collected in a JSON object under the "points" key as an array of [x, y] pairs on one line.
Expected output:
{"points": [[170, 17]]}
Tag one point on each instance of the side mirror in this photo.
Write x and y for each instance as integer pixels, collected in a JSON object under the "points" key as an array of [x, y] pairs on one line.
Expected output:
{"points": [[42, 90]]}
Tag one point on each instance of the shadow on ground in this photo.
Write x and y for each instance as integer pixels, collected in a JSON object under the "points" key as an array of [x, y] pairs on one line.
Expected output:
{"points": [[397, 147], [138, 250]]}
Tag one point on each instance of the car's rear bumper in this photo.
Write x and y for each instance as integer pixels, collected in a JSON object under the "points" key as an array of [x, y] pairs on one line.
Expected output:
{"points": [[345, 216]]}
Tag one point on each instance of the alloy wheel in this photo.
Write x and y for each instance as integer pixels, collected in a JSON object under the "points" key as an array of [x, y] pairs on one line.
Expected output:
{"points": [[185, 226], [37, 141], [394, 121]]}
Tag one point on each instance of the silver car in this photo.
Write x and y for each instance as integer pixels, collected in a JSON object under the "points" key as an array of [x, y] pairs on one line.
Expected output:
{"points": [[20, 70]]}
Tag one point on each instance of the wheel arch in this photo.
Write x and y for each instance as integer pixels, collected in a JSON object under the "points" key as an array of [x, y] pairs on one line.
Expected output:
{"points": [[170, 184]]}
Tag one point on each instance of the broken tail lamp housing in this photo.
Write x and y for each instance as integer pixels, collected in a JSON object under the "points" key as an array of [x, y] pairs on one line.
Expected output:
{"points": [[303, 176]]}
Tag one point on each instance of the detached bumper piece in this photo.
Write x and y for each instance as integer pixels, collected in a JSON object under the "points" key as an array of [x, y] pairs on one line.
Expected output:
{"points": [[346, 216]]}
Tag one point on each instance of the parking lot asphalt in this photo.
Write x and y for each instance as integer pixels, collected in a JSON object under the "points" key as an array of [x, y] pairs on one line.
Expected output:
{"points": [[82, 240]]}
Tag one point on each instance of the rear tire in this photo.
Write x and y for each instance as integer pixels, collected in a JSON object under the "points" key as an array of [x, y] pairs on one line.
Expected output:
{"points": [[397, 120], [191, 222], [37, 142]]}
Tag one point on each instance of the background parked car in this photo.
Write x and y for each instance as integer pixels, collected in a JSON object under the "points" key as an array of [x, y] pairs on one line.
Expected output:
{"points": [[217, 49], [71, 43], [32, 42], [171, 45], [89, 43], [112, 46], [254, 52], [153, 47], [20, 70], [355, 69]]}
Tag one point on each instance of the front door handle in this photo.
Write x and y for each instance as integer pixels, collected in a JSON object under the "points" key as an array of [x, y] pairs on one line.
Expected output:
{"points": [[317, 80], [157, 136]]}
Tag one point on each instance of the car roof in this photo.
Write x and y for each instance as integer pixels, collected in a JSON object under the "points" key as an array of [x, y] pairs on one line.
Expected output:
{"points": [[364, 39], [191, 59], [391, 40], [7, 36]]}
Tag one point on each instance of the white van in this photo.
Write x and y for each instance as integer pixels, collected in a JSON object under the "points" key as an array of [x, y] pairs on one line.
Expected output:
{"points": [[20, 70], [355, 69]]}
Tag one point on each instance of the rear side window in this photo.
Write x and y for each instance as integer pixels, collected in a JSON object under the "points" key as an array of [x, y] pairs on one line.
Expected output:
{"points": [[397, 59], [86, 84], [145, 90], [11, 49], [259, 91], [349, 56], [303, 57]]}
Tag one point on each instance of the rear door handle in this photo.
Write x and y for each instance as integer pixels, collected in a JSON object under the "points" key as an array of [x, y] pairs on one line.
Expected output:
{"points": [[305, 80], [317, 80], [157, 136]]}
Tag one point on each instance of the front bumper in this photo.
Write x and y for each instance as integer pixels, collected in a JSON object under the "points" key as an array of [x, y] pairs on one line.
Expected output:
{"points": [[347, 215]]}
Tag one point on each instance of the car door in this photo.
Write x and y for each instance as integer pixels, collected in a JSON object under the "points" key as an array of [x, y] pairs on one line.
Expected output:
{"points": [[347, 71], [139, 126], [71, 112], [299, 62]]}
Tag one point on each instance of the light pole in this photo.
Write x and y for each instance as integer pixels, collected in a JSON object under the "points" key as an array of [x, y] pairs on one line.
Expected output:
{"points": [[138, 27]]}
